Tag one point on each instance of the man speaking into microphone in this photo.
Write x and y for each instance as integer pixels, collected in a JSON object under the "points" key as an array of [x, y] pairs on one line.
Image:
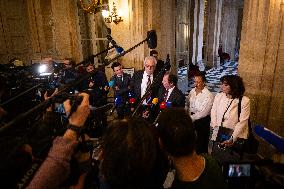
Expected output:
{"points": [[169, 93]]}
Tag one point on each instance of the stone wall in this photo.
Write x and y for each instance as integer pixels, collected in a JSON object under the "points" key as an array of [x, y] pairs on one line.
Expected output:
{"points": [[262, 62]]}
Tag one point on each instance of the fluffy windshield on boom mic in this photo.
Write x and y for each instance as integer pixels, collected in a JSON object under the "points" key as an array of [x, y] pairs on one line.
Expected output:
{"points": [[152, 39]]}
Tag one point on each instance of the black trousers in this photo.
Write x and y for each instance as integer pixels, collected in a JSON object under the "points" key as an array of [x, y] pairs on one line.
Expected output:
{"points": [[202, 128]]}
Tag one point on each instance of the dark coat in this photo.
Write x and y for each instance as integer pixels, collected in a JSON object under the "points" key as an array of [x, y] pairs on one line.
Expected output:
{"points": [[177, 98], [137, 81], [124, 86]]}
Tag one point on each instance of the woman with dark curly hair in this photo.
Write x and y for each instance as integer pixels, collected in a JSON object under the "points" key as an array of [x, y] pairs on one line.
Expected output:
{"points": [[224, 112]]}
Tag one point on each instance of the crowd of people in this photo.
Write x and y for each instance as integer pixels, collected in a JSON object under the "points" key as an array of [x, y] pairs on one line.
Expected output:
{"points": [[170, 132]]}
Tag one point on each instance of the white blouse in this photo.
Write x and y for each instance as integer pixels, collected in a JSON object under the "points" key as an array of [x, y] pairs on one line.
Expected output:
{"points": [[199, 105], [220, 104]]}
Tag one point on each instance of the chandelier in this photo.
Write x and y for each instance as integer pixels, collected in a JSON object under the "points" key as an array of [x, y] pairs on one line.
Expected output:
{"points": [[113, 16]]}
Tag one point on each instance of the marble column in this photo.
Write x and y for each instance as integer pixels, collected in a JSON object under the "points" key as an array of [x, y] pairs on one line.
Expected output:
{"points": [[213, 32], [198, 31], [229, 26]]}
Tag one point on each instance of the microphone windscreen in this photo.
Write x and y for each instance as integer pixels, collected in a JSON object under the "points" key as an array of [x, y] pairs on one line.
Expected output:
{"points": [[155, 101], [111, 83], [132, 100], [163, 105], [169, 104], [152, 39], [119, 50], [118, 101]]}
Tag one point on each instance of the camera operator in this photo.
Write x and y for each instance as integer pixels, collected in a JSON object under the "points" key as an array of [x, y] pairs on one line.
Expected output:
{"points": [[56, 167], [69, 72], [97, 87]]}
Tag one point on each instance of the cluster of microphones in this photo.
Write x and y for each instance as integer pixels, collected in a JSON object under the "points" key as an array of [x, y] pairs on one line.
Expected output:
{"points": [[131, 101]]}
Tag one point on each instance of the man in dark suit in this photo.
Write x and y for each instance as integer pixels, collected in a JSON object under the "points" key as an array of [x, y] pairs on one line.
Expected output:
{"points": [[169, 93], [143, 79], [121, 84]]}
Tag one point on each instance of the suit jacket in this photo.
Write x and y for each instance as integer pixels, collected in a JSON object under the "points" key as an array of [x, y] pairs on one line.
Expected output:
{"points": [[177, 98], [137, 81], [124, 86]]}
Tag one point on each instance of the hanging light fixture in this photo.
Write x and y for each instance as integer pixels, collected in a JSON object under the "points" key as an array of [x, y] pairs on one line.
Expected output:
{"points": [[114, 16]]}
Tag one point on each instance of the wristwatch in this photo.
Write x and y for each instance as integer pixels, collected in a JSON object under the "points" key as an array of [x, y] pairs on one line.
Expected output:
{"points": [[76, 129]]}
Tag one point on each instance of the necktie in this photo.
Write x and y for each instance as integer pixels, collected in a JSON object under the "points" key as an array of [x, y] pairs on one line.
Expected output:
{"points": [[166, 95], [149, 81], [148, 98]]}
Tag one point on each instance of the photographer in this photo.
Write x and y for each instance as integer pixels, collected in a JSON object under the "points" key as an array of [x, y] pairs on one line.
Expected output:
{"points": [[69, 72], [98, 88], [56, 167]]}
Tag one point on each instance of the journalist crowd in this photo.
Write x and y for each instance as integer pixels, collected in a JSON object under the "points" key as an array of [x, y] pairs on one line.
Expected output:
{"points": [[159, 137]]}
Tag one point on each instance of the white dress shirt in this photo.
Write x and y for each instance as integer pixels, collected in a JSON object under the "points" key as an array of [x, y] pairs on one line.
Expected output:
{"points": [[144, 84], [199, 105], [240, 127]]}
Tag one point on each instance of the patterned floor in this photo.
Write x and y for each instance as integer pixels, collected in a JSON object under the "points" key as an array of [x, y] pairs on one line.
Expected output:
{"points": [[213, 77]]}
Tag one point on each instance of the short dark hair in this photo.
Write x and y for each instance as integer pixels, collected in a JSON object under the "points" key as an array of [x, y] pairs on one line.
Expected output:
{"points": [[236, 84], [173, 79], [176, 131], [71, 60], [200, 74], [130, 153], [153, 52], [115, 64]]}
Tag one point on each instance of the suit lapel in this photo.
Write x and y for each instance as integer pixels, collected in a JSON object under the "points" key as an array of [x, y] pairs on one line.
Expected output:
{"points": [[172, 95]]}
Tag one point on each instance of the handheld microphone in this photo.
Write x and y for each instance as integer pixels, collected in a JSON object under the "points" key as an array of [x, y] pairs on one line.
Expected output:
{"points": [[163, 105], [111, 83], [155, 101], [117, 103], [118, 49], [169, 104]]}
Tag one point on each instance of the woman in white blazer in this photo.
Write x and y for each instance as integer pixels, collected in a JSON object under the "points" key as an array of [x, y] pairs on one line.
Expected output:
{"points": [[224, 111]]}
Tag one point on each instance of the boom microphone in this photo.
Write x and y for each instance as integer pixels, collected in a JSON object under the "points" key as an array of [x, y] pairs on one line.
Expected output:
{"points": [[118, 49], [152, 39], [270, 137]]}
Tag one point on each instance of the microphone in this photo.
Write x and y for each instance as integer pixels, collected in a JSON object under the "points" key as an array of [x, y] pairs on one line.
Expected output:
{"points": [[163, 105], [117, 103], [111, 83], [154, 102], [270, 137], [169, 104], [118, 49]]}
